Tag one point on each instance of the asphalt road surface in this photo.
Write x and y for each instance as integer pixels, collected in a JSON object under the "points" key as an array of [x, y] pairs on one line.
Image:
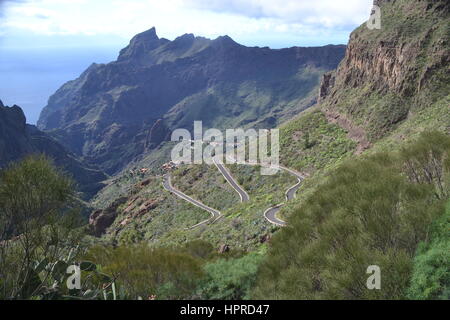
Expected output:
{"points": [[227, 175], [271, 216], [215, 214], [271, 213]]}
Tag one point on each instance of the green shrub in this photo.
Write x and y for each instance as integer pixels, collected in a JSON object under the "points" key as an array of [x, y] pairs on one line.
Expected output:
{"points": [[368, 212], [199, 249], [144, 272], [431, 272], [230, 279], [37, 228]]}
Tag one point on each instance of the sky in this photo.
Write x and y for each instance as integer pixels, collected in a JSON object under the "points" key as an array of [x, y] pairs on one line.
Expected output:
{"points": [[275, 23], [76, 33]]}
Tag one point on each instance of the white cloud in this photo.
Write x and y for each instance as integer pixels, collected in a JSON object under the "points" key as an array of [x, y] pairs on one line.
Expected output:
{"points": [[241, 19], [331, 13]]}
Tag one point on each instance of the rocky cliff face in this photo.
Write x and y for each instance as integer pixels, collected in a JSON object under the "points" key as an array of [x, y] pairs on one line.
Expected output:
{"points": [[14, 140], [17, 140], [115, 112], [387, 75]]}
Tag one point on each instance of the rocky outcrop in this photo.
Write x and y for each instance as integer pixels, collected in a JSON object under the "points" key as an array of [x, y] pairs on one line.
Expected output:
{"points": [[114, 113], [147, 206], [140, 45], [145, 183], [101, 220], [224, 248], [15, 142], [265, 238], [387, 74], [326, 85]]}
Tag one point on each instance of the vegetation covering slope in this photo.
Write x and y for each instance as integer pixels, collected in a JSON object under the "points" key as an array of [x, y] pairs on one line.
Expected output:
{"points": [[151, 214], [392, 85], [378, 182], [431, 270], [370, 211]]}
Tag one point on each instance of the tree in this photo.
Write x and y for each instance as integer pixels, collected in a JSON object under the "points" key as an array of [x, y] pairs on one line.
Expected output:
{"points": [[36, 226], [427, 161]]}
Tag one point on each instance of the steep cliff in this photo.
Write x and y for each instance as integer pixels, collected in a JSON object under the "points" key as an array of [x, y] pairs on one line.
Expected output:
{"points": [[14, 140], [115, 112], [396, 73], [17, 140]]}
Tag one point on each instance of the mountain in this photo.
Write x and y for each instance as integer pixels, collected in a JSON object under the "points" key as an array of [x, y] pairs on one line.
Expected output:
{"points": [[393, 84], [396, 75], [372, 101], [115, 112], [17, 140]]}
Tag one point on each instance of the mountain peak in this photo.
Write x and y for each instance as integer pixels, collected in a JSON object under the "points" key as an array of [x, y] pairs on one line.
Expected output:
{"points": [[186, 36], [226, 41], [225, 38], [149, 34], [1, 104], [140, 44]]}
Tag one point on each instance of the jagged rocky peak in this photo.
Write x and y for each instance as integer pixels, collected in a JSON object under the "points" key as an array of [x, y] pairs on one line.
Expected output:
{"points": [[187, 37], [226, 41], [185, 41], [148, 36], [141, 44], [191, 77], [13, 116]]}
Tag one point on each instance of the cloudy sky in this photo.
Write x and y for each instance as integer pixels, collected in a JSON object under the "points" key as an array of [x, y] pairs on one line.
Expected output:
{"points": [[274, 23], [45, 43]]}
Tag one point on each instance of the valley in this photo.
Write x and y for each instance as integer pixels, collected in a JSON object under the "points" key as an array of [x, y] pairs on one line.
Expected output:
{"points": [[363, 179]]}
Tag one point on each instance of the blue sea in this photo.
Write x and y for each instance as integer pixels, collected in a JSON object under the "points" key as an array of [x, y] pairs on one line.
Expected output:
{"points": [[29, 77]]}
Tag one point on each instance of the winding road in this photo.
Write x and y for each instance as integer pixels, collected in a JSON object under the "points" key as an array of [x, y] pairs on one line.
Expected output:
{"points": [[227, 175], [216, 215], [292, 192], [270, 214]]}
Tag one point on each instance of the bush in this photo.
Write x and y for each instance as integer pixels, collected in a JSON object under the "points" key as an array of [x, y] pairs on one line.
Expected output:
{"points": [[230, 279], [367, 213], [427, 161], [145, 272], [36, 226], [199, 249], [431, 272]]}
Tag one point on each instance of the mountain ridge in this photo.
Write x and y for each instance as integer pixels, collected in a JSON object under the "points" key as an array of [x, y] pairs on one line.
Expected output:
{"points": [[107, 113]]}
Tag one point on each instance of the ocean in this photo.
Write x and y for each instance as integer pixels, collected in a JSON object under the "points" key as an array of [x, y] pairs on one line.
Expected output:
{"points": [[29, 77]]}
